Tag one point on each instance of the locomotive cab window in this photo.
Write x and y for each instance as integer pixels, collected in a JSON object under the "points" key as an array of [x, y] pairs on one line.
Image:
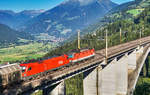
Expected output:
{"points": [[30, 69]]}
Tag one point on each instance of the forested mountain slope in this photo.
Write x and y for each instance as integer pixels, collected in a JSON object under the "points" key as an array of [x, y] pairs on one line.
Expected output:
{"points": [[126, 11], [10, 36], [63, 20]]}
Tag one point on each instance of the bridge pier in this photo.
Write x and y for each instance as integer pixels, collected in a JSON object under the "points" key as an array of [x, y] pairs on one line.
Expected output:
{"points": [[112, 80], [107, 80], [58, 89], [122, 75], [89, 82]]}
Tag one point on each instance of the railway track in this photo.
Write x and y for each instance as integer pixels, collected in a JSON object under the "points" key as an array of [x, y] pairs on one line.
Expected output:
{"points": [[54, 75]]}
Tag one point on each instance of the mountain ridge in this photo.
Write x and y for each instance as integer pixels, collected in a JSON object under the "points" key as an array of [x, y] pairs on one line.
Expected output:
{"points": [[64, 19], [15, 19], [10, 36]]}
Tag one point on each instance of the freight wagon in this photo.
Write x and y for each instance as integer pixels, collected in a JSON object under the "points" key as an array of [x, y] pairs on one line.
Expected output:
{"points": [[9, 74]]}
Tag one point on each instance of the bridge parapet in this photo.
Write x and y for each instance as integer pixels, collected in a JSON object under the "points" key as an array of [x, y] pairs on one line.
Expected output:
{"points": [[141, 55]]}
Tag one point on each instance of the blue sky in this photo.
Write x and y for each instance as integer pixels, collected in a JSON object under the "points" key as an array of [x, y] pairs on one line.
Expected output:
{"points": [[19, 5]]}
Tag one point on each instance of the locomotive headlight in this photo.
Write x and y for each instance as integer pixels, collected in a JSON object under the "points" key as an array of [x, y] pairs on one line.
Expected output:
{"points": [[23, 69]]}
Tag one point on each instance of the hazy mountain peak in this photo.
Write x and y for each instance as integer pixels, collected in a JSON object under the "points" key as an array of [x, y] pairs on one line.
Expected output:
{"points": [[84, 2], [81, 2], [15, 19], [33, 11], [8, 12]]}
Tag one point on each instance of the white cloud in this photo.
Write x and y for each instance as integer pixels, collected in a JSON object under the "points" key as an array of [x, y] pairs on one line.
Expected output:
{"points": [[66, 31]]}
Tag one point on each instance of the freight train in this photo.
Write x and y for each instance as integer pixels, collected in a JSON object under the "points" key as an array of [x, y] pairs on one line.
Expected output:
{"points": [[16, 72]]}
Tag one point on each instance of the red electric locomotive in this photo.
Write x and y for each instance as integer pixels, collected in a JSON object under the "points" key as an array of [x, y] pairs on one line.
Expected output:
{"points": [[29, 69]]}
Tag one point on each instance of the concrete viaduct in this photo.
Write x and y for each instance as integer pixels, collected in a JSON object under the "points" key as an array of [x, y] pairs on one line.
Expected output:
{"points": [[118, 77]]}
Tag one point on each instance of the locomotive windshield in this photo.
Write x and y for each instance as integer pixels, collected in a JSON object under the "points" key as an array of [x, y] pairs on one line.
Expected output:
{"points": [[70, 56], [23, 69]]}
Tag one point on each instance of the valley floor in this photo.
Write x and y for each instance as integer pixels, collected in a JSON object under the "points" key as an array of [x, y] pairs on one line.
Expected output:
{"points": [[25, 52]]}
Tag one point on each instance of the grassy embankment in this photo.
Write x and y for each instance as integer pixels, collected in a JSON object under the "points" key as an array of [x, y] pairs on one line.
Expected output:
{"points": [[135, 12]]}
